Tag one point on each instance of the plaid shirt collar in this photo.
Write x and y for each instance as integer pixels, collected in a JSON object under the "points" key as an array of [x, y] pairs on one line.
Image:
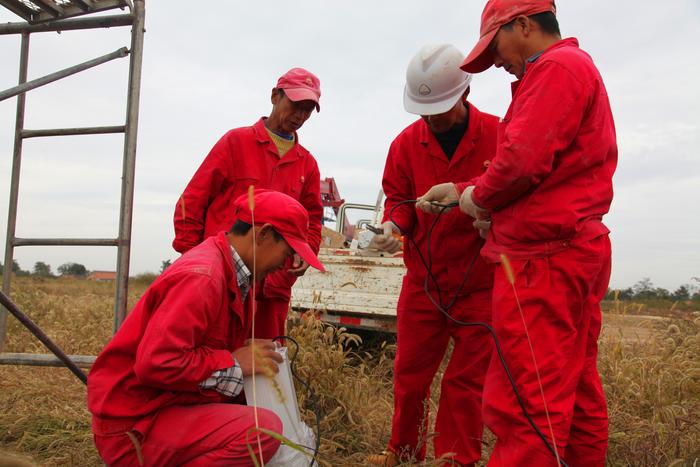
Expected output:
{"points": [[243, 275]]}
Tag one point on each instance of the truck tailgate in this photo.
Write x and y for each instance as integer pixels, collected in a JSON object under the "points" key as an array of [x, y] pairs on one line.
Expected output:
{"points": [[356, 291]]}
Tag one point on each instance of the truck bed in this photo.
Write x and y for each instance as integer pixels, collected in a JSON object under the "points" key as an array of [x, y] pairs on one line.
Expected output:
{"points": [[357, 291]]}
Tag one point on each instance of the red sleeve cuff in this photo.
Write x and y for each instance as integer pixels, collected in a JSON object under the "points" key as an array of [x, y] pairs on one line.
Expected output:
{"points": [[223, 359], [476, 199]]}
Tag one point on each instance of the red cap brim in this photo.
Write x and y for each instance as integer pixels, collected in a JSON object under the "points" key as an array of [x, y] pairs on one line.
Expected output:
{"points": [[303, 249], [302, 94], [480, 59]]}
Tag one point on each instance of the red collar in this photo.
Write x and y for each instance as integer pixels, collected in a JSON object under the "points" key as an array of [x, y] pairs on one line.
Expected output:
{"points": [[568, 42]]}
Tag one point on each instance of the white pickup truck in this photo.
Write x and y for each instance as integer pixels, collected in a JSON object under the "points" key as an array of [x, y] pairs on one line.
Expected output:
{"points": [[360, 288]]}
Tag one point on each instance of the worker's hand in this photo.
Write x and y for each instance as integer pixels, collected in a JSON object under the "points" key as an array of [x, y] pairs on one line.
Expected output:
{"points": [[482, 224], [264, 352], [386, 241], [299, 266], [437, 197], [468, 207]]}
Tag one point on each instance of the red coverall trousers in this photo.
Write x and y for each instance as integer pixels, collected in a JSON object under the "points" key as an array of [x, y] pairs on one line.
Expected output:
{"points": [[272, 305], [194, 436], [423, 333], [271, 317], [560, 298]]}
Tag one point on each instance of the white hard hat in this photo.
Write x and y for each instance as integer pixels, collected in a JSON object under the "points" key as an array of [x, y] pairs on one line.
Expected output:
{"points": [[434, 81]]}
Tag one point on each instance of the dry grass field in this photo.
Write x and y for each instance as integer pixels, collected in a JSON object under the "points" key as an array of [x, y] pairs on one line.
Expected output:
{"points": [[649, 361]]}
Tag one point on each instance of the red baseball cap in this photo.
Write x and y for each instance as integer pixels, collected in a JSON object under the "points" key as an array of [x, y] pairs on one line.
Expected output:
{"points": [[286, 215], [496, 14], [301, 85]]}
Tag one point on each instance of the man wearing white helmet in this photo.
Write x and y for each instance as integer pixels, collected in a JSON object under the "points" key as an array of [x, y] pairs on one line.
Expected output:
{"points": [[452, 141]]}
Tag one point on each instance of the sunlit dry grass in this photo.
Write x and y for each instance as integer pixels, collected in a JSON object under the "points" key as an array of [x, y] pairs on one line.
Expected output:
{"points": [[650, 368], [651, 376]]}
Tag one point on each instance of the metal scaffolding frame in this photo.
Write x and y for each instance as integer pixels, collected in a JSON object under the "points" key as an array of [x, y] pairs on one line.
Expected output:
{"points": [[57, 16]]}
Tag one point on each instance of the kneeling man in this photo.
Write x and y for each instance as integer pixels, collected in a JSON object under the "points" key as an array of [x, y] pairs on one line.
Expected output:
{"points": [[166, 390]]}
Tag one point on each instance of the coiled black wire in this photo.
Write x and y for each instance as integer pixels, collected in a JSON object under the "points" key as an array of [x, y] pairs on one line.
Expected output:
{"points": [[445, 309]]}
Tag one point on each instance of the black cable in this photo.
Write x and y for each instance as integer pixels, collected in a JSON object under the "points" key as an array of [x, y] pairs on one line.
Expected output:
{"points": [[312, 398], [445, 309]]}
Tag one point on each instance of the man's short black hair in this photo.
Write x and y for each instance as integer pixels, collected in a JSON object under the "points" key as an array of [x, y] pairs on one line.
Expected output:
{"points": [[241, 228], [546, 20]]}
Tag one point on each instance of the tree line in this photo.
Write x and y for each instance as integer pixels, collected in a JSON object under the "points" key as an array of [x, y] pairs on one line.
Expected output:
{"points": [[42, 269], [642, 290], [646, 290]]}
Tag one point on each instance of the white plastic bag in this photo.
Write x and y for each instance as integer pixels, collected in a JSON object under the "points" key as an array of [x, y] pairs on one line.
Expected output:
{"points": [[278, 395], [290, 457]]}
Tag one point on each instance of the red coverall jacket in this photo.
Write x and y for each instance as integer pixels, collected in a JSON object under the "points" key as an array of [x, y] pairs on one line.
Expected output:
{"points": [[243, 157], [182, 330], [551, 180], [411, 169]]}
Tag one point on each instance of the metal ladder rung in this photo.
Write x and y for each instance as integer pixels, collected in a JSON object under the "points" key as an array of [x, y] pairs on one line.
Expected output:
{"points": [[82, 361], [50, 78], [65, 242], [63, 24], [93, 130]]}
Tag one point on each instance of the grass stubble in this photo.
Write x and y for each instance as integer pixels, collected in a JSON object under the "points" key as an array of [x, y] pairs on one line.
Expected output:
{"points": [[650, 367]]}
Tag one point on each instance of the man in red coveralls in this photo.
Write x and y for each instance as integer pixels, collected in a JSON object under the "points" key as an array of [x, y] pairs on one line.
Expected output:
{"points": [[546, 192], [267, 155], [452, 141], [164, 390]]}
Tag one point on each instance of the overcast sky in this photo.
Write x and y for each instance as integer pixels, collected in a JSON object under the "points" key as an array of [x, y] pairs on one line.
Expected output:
{"points": [[210, 69]]}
